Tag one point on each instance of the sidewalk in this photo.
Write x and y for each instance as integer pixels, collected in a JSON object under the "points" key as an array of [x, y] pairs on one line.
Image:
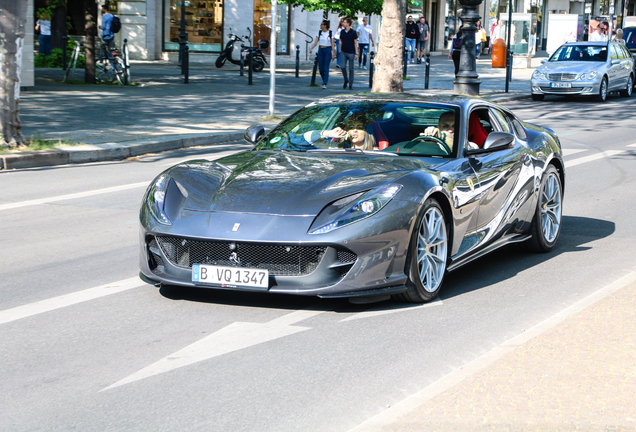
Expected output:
{"points": [[217, 105], [575, 372]]}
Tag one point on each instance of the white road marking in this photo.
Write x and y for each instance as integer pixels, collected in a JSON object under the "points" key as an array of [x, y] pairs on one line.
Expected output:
{"points": [[402, 408], [65, 300], [72, 196], [591, 158], [236, 336], [632, 145], [568, 152], [392, 309]]}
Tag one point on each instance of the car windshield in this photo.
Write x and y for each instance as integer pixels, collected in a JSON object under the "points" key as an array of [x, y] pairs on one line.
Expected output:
{"points": [[412, 129], [629, 35], [592, 53]]}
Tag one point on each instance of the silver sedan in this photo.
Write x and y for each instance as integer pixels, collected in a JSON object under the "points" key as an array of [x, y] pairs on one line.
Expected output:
{"points": [[586, 69]]}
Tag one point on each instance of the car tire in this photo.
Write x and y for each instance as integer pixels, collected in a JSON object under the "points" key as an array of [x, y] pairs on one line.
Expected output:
{"points": [[427, 255], [630, 85], [546, 223], [538, 97], [220, 61], [602, 91]]}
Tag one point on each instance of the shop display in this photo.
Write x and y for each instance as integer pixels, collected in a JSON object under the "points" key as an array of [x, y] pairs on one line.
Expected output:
{"points": [[203, 24]]}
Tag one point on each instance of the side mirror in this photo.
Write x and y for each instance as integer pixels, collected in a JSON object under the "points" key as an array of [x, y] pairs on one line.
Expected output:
{"points": [[498, 140], [544, 61], [253, 134], [615, 61]]}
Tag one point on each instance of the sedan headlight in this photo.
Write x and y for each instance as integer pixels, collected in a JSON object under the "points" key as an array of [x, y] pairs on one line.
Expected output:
{"points": [[157, 198], [538, 75], [588, 76], [353, 208]]}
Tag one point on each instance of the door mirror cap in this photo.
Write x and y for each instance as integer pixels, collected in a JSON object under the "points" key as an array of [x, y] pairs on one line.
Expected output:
{"points": [[498, 140], [544, 61], [253, 134], [615, 61]]}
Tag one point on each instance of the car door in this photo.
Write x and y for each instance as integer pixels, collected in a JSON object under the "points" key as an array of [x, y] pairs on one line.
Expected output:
{"points": [[615, 70], [626, 61], [498, 173]]}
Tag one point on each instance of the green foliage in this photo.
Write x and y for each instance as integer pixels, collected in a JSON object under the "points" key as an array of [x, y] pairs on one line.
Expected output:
{"points": [[55, 59], [348, 8], [37, 144]]}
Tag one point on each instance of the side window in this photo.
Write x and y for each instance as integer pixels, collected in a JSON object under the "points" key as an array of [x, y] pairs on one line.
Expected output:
{"points": [[479, 126], [518, 128], [504, 126], [613, 53]]}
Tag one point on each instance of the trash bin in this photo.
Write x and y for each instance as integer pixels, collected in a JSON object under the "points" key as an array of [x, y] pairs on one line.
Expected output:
{"points": [[499, 53]]}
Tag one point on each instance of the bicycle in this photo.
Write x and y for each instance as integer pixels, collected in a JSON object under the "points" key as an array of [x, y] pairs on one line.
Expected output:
{"points": [[114, 66]]}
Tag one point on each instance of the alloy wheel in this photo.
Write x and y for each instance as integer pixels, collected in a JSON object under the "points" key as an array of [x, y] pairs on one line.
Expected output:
{"points": [[551, 208], [432, 243]]}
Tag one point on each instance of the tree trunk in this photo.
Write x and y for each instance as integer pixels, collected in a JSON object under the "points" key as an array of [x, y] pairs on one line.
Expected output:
{"points": [[58, 27], [388, 63], [13, 18], [90, 14]]}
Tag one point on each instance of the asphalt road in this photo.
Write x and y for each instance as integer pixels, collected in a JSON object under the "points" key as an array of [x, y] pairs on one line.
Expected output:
{"points": [[87, 346]]}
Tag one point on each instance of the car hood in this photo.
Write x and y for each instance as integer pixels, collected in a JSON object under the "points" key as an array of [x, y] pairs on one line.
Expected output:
{"points": [[571, 67], [284, 183]]}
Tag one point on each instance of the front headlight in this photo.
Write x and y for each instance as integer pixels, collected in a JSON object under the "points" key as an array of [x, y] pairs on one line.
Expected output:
{"points": [[588, 76], [353, 208], [157, 198], [538, 75]]}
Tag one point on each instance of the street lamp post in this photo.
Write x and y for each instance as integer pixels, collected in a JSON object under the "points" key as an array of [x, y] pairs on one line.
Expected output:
{"points": [[467, 81]]}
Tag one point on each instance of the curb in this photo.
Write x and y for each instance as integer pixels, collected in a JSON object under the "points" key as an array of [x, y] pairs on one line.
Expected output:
{"points": [[108, 151]]}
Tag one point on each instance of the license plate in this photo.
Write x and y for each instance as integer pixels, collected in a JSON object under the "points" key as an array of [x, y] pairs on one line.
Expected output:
{"points": [[561, 85], [230, 276]]}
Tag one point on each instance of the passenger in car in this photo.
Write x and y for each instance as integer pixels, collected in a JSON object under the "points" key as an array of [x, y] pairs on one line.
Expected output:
{"points": [[355, 135]]}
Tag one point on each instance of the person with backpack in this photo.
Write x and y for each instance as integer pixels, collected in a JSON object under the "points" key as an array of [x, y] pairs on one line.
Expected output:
{"points": [[326, 51], [108, 36]]}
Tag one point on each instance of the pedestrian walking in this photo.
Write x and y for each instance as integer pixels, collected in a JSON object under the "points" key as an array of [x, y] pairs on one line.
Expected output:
{"points": [[336, 37], [456, 49], [43, 25], [412, 34], [480, 38], [494, 33], [348, 52], [422, 25], [365, 35], [326, 51]]}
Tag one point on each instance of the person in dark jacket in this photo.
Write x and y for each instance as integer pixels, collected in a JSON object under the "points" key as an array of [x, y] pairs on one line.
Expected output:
{"points": [[412, 35], [456, 50]]}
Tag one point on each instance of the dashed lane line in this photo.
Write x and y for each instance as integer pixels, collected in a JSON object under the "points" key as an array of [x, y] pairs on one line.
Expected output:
{"points": [[65, 300], [591, 158], [72, 196]]}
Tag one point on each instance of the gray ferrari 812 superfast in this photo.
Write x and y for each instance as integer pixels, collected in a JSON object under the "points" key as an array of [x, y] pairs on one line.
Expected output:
{"points": [[358, 196]]}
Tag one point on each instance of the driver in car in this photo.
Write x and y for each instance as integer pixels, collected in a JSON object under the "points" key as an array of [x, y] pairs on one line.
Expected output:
{"points": [[445, 130]]}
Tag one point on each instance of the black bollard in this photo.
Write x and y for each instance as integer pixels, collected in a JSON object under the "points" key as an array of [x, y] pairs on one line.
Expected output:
{"points": [[186, 64], [428, 70], [404, 60], [250, 66], [242, 59], [297, 61], [371, 68], [64, 45], [313, 72]]}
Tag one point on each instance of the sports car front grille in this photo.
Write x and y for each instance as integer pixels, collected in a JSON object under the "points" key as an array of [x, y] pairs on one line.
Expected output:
{"points": [[281, 260], [562, 76]]}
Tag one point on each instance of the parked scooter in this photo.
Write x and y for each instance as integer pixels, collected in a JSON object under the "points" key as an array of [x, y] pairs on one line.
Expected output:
{"points": [[233, 52]]}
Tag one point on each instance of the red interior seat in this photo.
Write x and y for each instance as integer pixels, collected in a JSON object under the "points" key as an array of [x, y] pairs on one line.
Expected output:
{"points": [[380, 138], [476, 132]]}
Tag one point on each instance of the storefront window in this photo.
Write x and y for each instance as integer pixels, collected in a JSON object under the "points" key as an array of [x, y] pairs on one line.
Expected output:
{"points": [[414, 7], [452, 21], [203, 23], [263, 22]]}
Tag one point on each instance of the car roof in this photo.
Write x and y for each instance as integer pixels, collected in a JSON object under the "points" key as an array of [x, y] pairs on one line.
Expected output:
{"points": [[587, 43], [449, 99]]}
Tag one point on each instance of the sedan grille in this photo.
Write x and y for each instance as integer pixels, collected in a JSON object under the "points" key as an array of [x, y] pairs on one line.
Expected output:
{"points": [[281, 260], [562, 76], [562, 90]]}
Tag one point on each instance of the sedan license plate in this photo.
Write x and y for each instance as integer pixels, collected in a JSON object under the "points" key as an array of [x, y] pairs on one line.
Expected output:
{"points": [[560, 85], [230, 276]]}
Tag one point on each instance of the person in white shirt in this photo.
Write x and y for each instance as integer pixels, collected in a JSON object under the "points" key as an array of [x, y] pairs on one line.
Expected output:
{"points": [[326, 51], [364, 36], [598, 34], [44, 26], [336, 37]]}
